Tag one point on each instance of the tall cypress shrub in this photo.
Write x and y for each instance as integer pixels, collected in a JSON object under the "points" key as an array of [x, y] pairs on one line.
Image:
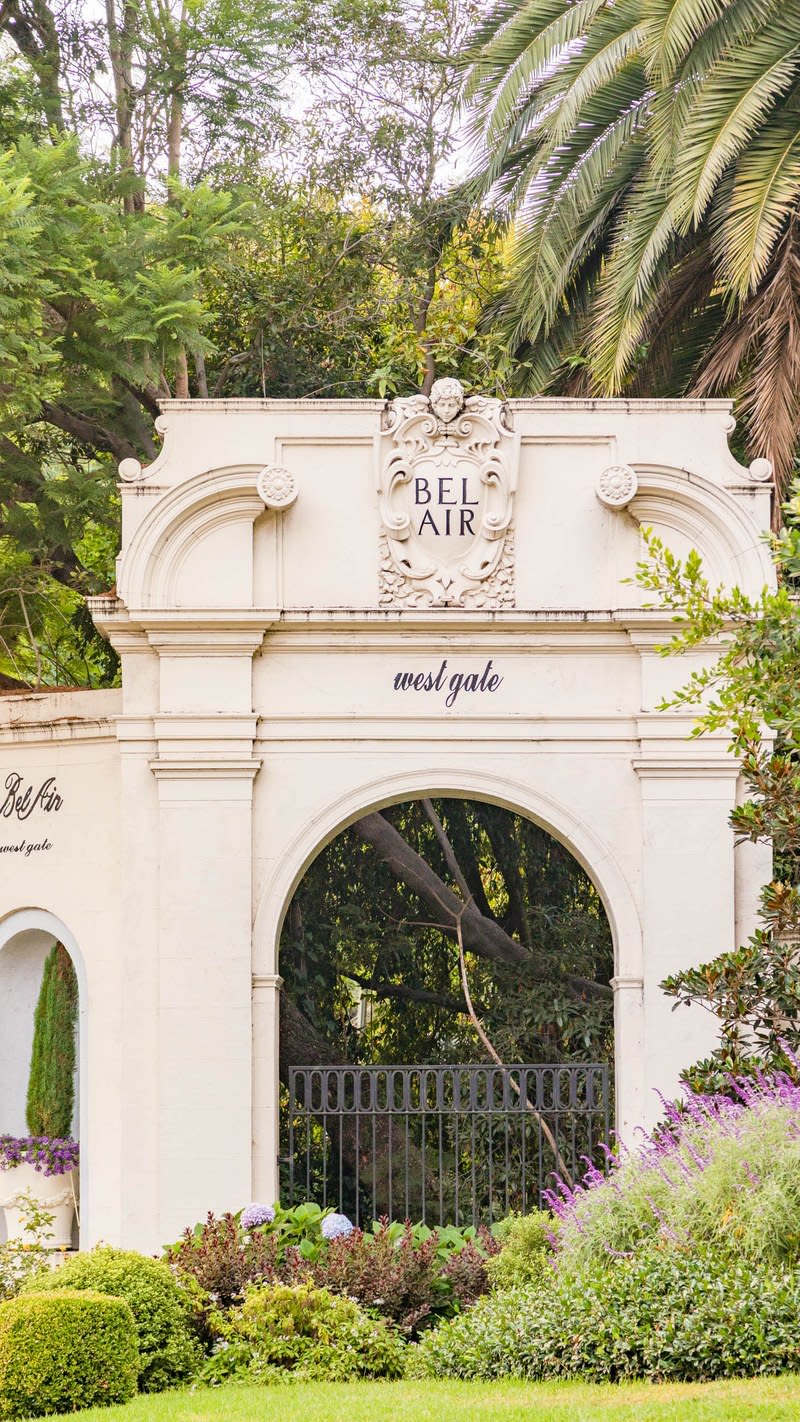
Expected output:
{"points": [[51, 1090]]}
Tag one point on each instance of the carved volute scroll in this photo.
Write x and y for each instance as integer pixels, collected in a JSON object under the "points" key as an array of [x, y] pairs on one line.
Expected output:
{"points": [[446, 488]]}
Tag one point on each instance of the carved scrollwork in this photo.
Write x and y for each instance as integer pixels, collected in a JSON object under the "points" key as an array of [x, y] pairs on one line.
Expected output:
{"points": [[446, 492], [129, 470], [761, 470]]}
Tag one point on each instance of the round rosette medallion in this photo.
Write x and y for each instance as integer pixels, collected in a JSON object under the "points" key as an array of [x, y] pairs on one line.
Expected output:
{"points": [[277, 486], [616, 486]]}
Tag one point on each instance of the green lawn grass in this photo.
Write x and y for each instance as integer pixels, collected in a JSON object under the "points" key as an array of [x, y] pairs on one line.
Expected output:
{"points": [[759, 1400]]}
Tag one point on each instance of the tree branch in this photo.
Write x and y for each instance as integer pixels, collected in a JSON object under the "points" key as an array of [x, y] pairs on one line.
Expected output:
{"points": [[405, 993], [87, 431], [482, 935], [477, 1024]]}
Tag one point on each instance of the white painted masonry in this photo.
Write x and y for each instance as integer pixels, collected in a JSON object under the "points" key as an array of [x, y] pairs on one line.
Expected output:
{"points": [[283, 613]]}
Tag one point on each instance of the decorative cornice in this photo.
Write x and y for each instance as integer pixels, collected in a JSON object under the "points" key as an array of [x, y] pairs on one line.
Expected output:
{"points": [[678, 767], [220, 768]]}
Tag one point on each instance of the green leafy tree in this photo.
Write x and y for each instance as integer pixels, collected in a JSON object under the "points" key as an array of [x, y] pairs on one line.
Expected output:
{"points": [[650, 151], [376, 915], [51, 1090], [753, 687], [385, 122], [99, 311]]}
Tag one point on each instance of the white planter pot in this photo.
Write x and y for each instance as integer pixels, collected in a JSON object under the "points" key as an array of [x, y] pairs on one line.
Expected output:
{"points": [[56, 1194]]}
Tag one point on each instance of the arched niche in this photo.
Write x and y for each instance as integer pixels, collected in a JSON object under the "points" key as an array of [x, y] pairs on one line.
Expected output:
{"points": [[195, 546], [26, 937], [688, 511]]}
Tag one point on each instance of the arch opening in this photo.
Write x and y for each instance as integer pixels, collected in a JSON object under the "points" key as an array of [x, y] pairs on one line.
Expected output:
{"points": [[35, 947], [447, 1014]]}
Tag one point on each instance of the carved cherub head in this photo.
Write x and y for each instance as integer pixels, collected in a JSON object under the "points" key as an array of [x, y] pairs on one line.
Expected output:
{"points": [[447, 399]]}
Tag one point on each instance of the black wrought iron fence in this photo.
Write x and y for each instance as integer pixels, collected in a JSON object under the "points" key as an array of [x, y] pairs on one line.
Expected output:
{"points": [[444, 1144]]}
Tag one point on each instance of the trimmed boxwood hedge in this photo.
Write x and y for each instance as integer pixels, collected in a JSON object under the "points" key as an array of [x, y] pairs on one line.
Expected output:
{"points": [[169, 1350], [60, 1352]]}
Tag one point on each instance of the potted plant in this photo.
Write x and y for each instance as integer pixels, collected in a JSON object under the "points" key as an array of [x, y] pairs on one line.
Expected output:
{"points": [[43, 1166]]}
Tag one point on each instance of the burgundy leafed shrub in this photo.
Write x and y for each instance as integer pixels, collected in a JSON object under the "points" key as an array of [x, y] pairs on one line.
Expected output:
{"points": [[405, 1278], [223, 1258], [412, 1276], [402, 1280], [466, 1271]]}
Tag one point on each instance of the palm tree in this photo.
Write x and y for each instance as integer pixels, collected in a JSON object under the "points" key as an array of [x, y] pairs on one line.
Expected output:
{"points": [[649, 152]]}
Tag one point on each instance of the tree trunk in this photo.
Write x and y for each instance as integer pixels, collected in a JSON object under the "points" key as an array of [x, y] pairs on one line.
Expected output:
{"points": [[33, 29], [120, 48]]}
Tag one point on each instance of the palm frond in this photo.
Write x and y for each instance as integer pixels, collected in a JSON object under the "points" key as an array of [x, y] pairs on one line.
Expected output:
{"points": [[645, 235], [728, 107], [764, 194]]}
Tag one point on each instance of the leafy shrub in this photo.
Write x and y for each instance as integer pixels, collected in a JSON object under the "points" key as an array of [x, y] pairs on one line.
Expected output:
{"points": [[720, 1174], [673, 1315], [306, 1333], [62, 1352], [400, 1276], [21, 1258], [169, 1351], [526, 1242], [409, 1272], [226, 1254], [466, 1271], [223, 1259]]}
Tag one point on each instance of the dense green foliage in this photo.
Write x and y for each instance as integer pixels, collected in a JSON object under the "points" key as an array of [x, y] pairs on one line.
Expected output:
{"points": [[168, 1350], [684, 1263], [306, 1333], [51, 1083], [526, 1247], [672, 1316], [651, 153], [63, 1352], [754, 990], [355, 928], [166, 207]]}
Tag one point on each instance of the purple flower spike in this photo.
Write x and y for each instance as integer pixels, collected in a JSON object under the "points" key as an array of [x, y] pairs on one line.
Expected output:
{"points": [[335, 1226], [255, 1215]]}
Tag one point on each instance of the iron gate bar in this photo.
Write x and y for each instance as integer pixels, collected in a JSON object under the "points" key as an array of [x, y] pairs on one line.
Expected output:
{"points": [[350, 1122]]}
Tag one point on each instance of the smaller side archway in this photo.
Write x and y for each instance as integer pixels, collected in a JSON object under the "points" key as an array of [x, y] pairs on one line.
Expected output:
{"points": [[26, 937]]}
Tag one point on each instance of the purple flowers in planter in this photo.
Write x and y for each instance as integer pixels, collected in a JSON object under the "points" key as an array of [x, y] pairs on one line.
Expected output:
{"points": [[335, 1225], [50, 1155], [255, 1215]]}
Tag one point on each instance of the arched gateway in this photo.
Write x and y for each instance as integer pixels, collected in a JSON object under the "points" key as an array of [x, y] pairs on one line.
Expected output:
{"points": [[324, 607]]}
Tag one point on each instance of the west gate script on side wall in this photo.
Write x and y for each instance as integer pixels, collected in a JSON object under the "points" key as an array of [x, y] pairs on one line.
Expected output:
{"points": [[446, 489], [19, 801]]}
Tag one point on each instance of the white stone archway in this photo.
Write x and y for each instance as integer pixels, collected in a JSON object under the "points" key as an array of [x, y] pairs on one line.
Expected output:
{"points": [[326, 606]]}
